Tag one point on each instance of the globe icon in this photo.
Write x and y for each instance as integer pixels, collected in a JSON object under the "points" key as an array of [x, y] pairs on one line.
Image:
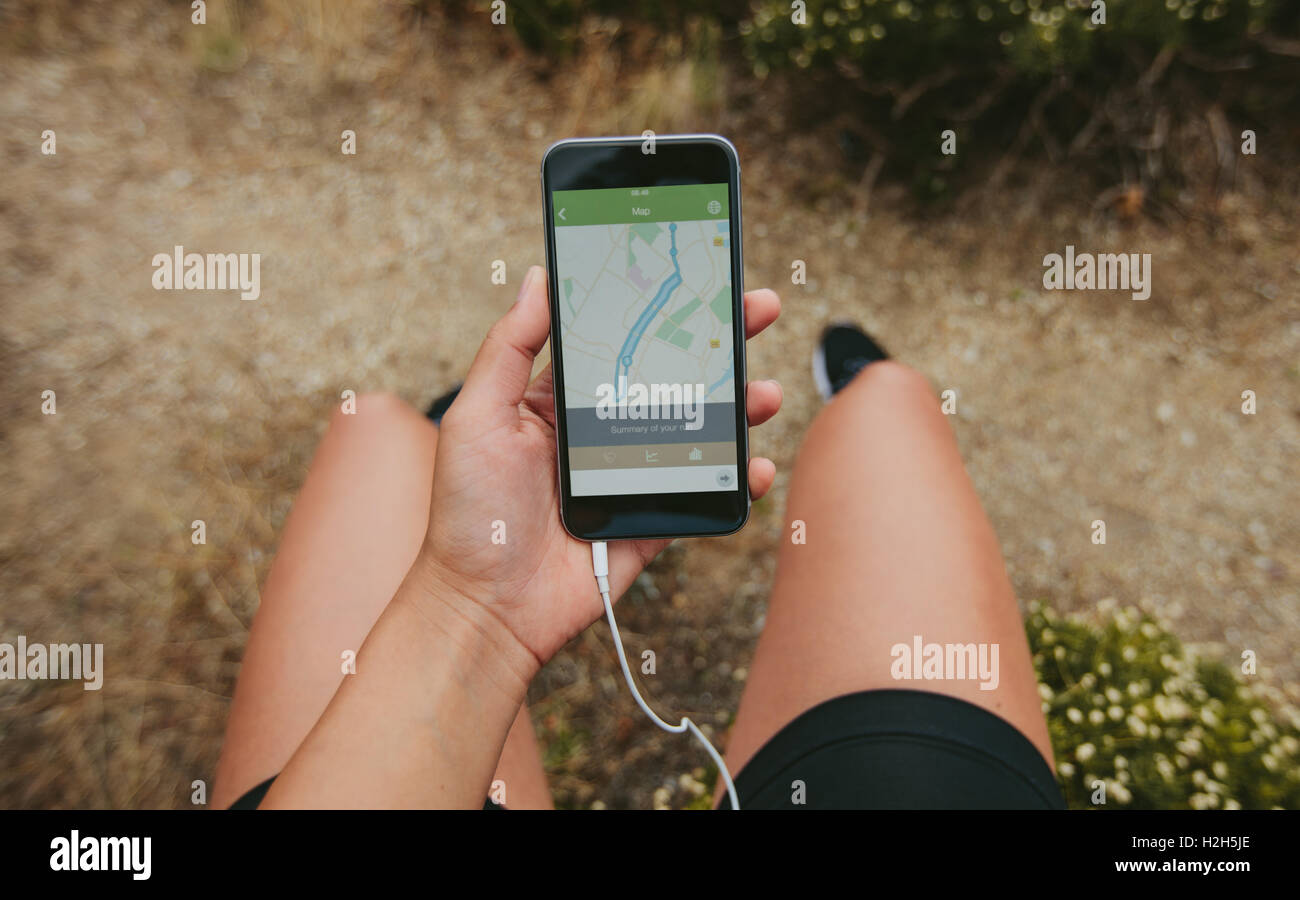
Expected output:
{"points": [[714, 207]]}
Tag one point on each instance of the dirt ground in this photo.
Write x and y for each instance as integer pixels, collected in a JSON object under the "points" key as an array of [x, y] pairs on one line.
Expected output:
{"points": [[176, 406]]}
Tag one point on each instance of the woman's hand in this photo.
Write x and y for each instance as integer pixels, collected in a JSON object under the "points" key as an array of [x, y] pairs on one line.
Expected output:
{"points": [[495, 476]]}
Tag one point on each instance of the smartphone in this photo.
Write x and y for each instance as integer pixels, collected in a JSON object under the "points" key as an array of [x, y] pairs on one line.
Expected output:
{"points": [[647, 335]]}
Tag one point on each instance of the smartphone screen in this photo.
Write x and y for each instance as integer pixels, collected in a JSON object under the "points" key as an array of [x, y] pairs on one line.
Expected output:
{"points": [[644, 278], [646, 341]]}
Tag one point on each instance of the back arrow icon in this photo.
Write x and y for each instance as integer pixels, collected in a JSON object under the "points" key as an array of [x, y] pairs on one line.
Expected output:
{"points": [[561, 213]]}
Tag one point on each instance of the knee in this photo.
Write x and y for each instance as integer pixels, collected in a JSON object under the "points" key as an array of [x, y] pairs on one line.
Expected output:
{"points": [[892, 382], [888, 389], [888, 403]]}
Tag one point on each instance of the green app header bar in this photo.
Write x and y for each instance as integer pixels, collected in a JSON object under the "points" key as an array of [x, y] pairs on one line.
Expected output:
{"points": [[618, 206]]}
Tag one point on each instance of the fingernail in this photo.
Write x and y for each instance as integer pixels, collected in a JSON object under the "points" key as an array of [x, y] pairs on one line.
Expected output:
{"points": [[528, 281]]}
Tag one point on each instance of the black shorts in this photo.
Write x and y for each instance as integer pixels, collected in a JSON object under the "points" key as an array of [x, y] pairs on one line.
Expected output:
{"points": [[897, 749], [885, 749]]}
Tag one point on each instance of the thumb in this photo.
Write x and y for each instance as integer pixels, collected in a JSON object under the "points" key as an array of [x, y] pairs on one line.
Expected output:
{"points": [[499, 374]]}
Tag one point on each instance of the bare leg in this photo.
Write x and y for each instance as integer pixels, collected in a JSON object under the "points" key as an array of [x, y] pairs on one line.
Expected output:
{"points": [[897, 545], [355, 529]]}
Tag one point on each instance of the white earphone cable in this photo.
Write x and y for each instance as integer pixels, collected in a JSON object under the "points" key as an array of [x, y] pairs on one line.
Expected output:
{"points": [[600, 567]]}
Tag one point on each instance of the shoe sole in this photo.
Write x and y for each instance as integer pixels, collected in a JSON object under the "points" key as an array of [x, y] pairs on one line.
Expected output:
{"points": [[820, 378]]}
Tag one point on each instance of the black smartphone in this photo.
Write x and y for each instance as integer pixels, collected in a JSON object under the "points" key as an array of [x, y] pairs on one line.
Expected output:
{"points": [[647, 335]]}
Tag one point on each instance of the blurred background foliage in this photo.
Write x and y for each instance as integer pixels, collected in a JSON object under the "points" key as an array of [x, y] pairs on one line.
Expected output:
{"points": [[1107, 89]]}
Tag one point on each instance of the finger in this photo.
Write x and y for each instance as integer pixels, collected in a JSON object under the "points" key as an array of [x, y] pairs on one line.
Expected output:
{"points": [[761, 309], [762, 400], [762, 472], [499, 374]]}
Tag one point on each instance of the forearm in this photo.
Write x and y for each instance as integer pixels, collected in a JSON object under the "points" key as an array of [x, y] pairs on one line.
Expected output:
{"points": [[422, 722]]}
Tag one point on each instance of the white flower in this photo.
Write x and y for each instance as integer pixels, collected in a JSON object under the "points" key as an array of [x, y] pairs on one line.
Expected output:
{"points": [[1096, 717], [1085, 752], [1074, 715]]}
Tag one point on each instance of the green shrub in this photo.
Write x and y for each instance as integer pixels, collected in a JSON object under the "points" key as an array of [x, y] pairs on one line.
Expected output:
{"points": [[1033, 77], [553, 26], [1127, 705], [1011, 78], [911, 38]]}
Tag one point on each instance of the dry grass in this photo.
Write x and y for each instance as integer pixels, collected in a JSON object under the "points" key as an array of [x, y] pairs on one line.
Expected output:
{"points": [[376, 275]]}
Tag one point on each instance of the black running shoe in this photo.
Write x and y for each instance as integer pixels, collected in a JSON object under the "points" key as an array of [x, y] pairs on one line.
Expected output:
{"points": [[843, 351], [440, 406]]}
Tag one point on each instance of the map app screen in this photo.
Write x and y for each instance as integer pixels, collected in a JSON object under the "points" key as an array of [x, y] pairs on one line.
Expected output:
{"points": [[644, 278]]}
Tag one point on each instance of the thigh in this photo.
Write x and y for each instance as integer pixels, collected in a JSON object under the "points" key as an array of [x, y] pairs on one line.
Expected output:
{"points": [[897, 548], [353, 532]]}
